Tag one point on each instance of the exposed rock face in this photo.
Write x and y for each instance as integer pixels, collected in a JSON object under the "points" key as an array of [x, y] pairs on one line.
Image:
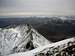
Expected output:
{"points": [[20, 38], [23, 40]]}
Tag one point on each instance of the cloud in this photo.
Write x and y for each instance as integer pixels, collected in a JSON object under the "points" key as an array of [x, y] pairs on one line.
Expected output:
{"points": [[10, 6]]}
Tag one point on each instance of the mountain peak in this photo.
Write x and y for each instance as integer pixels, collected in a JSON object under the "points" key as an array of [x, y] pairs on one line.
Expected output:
{"points": [[20, 38]]}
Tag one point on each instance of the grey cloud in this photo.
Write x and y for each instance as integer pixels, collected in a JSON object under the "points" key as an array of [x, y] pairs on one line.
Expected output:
{"points": [[37, 5]]}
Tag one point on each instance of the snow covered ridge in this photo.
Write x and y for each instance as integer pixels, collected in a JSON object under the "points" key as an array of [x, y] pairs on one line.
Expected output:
{"points": [[23, 40], [54, 49], [20, 38]]}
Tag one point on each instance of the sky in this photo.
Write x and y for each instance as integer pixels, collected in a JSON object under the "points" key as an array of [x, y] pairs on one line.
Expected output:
{"points": [[37, 7]]}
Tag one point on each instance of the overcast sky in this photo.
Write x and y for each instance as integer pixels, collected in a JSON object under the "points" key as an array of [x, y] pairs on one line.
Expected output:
{"points": [[35, 7]]}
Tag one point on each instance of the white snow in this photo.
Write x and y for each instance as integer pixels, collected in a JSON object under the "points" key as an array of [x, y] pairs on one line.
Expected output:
{"points": [[19, 37], [42, 48]]}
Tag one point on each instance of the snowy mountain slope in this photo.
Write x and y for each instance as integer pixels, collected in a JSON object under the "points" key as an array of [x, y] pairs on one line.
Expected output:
{"points": [[24, 40], [20, 38], [58, 49]]}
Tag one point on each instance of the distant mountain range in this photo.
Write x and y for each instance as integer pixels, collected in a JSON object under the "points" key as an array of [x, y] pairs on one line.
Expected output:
{"points": [[50, 27]]}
